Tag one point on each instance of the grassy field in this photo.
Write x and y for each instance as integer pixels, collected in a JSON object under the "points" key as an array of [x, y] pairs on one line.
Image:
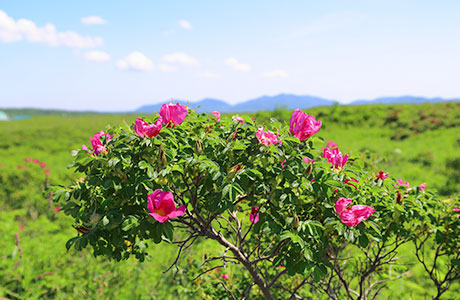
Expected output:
{"points": [[419, 143]]}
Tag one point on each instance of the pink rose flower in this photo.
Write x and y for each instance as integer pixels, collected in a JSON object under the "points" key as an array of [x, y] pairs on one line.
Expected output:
{"points": [[353, 215], [57, 209], [382, 176], [216, 114], [402, 183], [173, 114], [302, 125], [307, 160], [35, 161], [456, 209], [254, 215], [98, 147], [162, 207], [238, 119], [266, 137], [224, 276], [83, 147], [143, 128], [42, 165], [422, 187], [331, 145], [335, 157], [27, 159]]}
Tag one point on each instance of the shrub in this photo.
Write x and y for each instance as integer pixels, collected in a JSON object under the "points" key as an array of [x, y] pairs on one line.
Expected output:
{"points": [[279, 204]]}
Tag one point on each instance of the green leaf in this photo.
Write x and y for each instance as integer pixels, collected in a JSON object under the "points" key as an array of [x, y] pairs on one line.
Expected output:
{"points": [[239, 145], [71, 242], [363, 240], [143, 165]]}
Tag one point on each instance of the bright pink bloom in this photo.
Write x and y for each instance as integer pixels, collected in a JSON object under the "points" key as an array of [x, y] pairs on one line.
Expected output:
{"points": [[253, 119], [282, 163], [348, 182], [254, 215], [216, 114], [238, 119], [331, 145], [27, 159], [335, 157], [224, 276], [42, 165], [35, 161], [382, 176], [456, 209], [162, 207], [173, 114], [143, 128], [402, 183], [341, 204], [422, 186], [307, 160], [83, 147], [266, 137], [98, 147], [353, 215], [57, 209], [302, 125]]}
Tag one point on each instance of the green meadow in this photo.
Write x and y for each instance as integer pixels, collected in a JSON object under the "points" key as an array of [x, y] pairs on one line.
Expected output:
{"points": [[418, 143]]}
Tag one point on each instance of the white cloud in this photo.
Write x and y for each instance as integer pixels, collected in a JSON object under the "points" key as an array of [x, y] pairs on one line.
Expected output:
{"points": [[93, 20], [185, 24], [235, 64], [276, 73], [97, 56], [167, 68], [12, 31], [135, 61], [180, 58], [208, 75]]}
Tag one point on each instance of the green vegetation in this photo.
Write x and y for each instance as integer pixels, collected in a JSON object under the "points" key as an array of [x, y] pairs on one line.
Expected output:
{"points": [[419, 144]]}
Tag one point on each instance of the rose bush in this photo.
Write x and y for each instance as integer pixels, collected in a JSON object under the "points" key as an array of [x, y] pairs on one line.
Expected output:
{"points": [[277, 203]]}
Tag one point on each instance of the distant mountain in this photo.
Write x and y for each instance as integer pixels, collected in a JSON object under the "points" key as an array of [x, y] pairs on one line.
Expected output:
{"points": [[288, 101], [264, 103], [401, 100]]}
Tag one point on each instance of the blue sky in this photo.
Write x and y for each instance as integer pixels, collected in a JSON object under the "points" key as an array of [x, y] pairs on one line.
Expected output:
{"points": [[119, 55]]}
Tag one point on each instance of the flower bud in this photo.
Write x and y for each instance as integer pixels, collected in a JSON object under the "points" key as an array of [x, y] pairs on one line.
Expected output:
{"points": [[162, 157], [399, 198], [308, 171], [198, 147]]}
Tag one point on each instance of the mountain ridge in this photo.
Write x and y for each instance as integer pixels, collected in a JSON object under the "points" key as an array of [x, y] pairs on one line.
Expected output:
{"points": [[288, 101]]}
